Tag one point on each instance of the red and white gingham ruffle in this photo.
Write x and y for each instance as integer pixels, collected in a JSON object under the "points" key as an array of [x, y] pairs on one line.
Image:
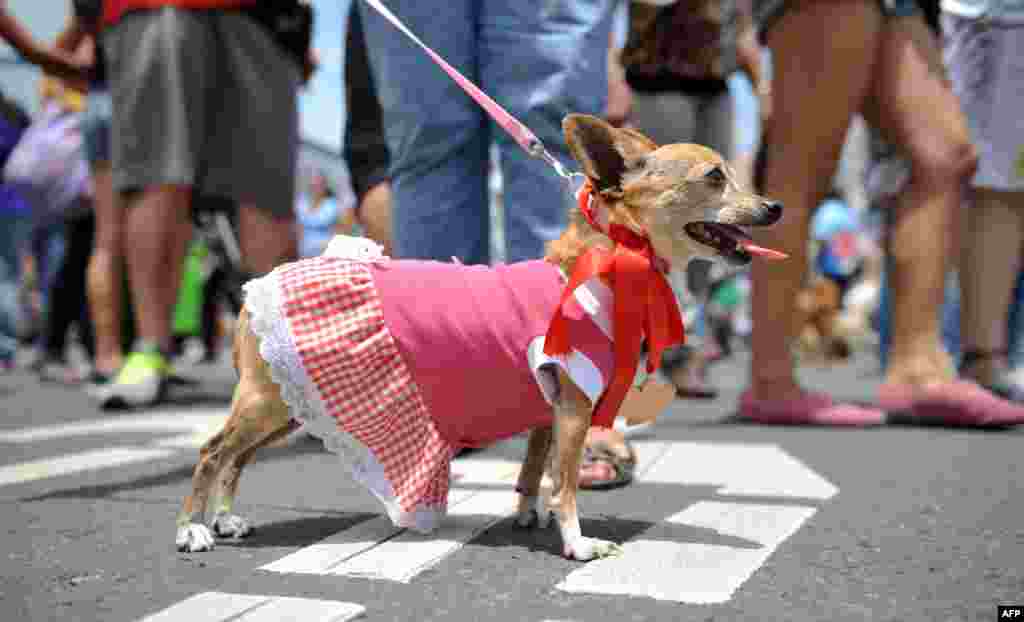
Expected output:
{"points": [[323, 334]]}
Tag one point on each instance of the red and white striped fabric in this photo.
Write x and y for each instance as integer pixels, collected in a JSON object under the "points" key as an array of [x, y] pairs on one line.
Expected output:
{"points": [[340, 336]]}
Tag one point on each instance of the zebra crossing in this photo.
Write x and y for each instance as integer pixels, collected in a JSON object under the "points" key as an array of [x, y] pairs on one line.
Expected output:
{"points": [[657, 562]]}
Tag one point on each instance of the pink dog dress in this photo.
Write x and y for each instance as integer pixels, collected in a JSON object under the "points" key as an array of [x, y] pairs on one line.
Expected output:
{"points": [[398, 364]]}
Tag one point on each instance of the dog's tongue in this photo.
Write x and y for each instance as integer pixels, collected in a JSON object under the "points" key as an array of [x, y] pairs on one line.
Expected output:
{"points": [[761, 251]]}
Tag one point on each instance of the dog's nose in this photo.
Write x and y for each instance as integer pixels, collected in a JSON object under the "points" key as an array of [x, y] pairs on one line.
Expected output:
{"points": [[773, 211]]}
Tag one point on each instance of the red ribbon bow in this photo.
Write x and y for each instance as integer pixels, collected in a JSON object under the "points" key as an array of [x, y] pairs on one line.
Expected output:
{"points": [[643, 304]]}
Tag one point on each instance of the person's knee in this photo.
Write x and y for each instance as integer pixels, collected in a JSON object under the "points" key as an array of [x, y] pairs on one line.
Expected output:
{"points": [[952, 162]]}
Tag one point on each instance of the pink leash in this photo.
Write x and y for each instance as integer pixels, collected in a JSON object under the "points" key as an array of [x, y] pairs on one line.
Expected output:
{"points": [[519, 132]]}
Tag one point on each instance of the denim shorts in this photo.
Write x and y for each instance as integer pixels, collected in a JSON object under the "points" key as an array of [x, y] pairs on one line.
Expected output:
{"points": [[96, 127], [768, 12]]}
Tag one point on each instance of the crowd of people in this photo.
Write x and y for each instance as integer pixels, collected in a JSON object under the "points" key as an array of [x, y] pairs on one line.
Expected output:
{"points": [[174, 103]]}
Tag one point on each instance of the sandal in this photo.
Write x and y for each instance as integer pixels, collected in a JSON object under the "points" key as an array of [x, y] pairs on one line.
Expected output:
{"points": [[599, 452]]}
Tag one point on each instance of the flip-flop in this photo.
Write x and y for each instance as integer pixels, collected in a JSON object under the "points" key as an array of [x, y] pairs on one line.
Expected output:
{"points": [[596, 453], [959, 403], [809, 409]]}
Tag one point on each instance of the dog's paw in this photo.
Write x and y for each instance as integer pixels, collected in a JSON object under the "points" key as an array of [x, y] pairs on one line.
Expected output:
{"points": [[193, 538], [230, 526], [586, 549], [533, 513]]}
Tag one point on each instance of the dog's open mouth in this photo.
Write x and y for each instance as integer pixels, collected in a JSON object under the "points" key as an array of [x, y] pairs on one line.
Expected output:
{"points": [[731, 242]]}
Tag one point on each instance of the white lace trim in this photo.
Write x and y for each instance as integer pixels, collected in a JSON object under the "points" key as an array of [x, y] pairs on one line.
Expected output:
{"points": [[263, 300]]}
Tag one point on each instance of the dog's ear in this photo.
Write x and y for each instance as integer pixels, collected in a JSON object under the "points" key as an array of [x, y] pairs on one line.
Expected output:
{"points": [[604, 152]]}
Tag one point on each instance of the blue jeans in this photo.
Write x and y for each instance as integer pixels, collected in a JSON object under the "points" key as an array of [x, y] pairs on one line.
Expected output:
{"points": [[15, 227], [539, 59]]}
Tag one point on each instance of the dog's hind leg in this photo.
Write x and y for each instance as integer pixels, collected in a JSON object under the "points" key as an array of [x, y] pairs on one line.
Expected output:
{"points": [[531, 506], [226, 524], [258, 416]]}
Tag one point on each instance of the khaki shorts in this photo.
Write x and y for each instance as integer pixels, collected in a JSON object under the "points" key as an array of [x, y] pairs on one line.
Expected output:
{"points": [[205, 99]]}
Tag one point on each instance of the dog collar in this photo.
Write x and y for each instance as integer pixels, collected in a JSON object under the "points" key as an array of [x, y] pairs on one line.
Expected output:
{"points": [[643, 304]]}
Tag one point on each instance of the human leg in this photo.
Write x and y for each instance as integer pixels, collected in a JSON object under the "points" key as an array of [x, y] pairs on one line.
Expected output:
{"points": [[437, 136], [807, 132], [914, 105], [14, 227], [105, 273], [66, 299], [541, 61], [993, 227], [260, 177], [161, 65], [994, 221], [935, 139]]}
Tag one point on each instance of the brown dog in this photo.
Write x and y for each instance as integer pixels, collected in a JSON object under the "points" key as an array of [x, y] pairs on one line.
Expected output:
{"points": [[681, 197]]}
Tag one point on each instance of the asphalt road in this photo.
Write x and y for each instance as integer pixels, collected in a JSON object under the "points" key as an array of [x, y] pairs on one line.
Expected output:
{"points": [[727, 521]]}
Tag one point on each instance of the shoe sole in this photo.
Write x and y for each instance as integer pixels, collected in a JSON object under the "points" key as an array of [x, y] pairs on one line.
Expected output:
{"points": [[135, 395]]}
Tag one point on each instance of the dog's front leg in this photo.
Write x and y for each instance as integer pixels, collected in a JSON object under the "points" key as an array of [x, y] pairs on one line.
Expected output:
{"points": [[572, 420], [531, 507]]}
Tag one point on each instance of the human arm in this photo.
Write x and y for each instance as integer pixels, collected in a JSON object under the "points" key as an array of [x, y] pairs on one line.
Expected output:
{"points": [[58, 59], [620, 95], [748, 54]]}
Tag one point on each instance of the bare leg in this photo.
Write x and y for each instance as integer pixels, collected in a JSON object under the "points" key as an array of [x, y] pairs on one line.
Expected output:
{"points": [[805, 137], [105, 272], [993, 228], [155, 224], [266, 241], [912, 103]]}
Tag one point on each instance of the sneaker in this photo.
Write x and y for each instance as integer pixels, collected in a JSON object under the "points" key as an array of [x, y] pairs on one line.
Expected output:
{"points": [[142, 381]]}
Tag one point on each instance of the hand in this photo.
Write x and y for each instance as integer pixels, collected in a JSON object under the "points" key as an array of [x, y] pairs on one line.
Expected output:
{"points": [[764, 100], [620, 99], [74, 71]]}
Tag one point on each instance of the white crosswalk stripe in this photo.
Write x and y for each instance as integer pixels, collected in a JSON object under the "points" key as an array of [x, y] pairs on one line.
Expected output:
{"points": [[223, 607], [188, 429], [655, 565]]}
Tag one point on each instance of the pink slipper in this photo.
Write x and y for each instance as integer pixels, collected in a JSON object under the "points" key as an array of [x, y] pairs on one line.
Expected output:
{"points": [[811, 409], [954, 403]]}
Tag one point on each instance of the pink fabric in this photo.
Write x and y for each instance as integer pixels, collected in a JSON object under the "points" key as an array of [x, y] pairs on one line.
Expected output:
{"points": [[417, 359], [464, 332]]}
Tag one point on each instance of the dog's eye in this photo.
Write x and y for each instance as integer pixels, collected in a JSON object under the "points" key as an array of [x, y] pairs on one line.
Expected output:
{"points": [[715, 176]]}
